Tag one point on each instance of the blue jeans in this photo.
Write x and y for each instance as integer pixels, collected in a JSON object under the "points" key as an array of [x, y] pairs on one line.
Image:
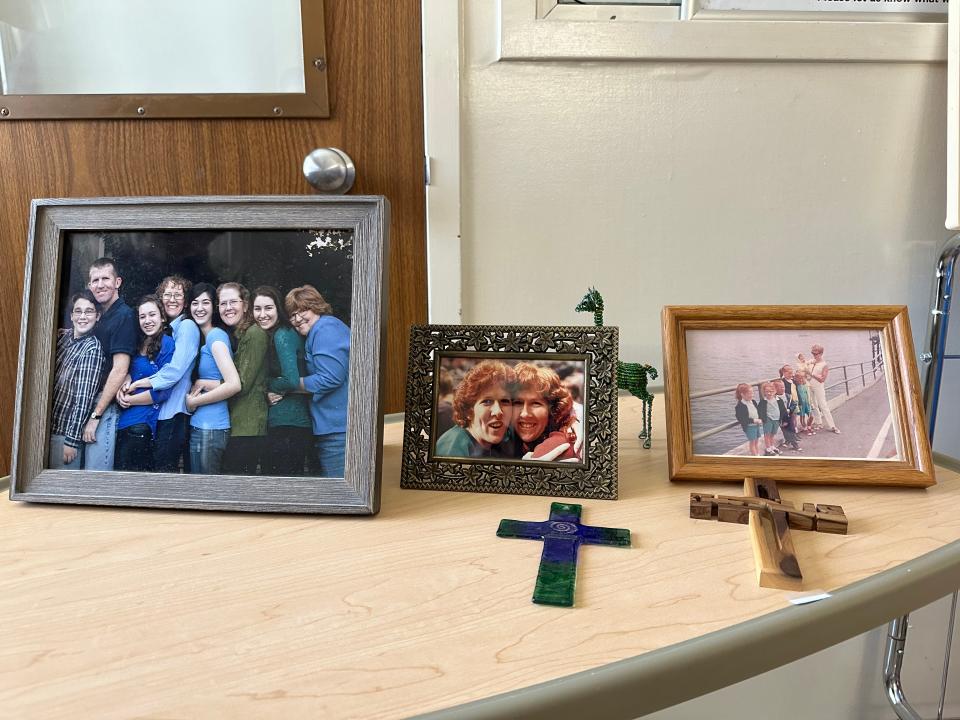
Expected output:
{"points": [[331, 452], [99, 455], [56, 455], [206, 450]]}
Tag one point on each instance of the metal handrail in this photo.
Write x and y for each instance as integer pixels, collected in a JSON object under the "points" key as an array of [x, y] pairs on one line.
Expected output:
{"points": [[934, 357], [877, 368], [892, 665], [731, 388]]}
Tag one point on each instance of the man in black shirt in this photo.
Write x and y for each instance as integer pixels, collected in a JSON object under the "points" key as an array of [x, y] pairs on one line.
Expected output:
{"points": [[117, 333]]}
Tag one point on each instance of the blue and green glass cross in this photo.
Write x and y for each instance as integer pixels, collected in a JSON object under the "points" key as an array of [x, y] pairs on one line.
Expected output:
{"points": [[562, 536]]}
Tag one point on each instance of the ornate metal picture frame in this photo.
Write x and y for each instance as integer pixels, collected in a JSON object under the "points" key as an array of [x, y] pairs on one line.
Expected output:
{"points": [[339, 244], [512, 409], [825, 395]]}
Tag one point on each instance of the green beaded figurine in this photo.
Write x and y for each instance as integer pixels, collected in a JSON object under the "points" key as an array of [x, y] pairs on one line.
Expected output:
{"points": [[631, 377]]}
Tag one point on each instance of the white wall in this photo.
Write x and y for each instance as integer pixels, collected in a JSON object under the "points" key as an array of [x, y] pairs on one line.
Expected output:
{"points": [[694, 183], [707, 183]]}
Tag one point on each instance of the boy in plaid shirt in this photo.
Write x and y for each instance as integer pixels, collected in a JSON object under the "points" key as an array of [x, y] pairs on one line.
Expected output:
{"points": [[76, 383]]}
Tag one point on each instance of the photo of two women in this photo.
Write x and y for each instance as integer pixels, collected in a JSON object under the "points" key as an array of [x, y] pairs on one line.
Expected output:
{"points": [[510, 408]]}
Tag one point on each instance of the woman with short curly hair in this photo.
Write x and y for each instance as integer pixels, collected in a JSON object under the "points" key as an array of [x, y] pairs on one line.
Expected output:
{"points": [[482, 411], [327, 356]]}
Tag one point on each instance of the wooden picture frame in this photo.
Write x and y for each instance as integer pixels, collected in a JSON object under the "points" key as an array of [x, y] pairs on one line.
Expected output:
{"points": [[698, 342], [452, 454], [242, 226]]}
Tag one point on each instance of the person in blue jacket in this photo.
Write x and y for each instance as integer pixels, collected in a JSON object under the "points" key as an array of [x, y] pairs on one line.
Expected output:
{"points": [[328, 365]]}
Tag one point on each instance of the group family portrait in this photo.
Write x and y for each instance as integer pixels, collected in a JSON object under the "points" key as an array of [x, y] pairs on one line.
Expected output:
{"points": [[509, 408], [205, 352], [786, 393]]}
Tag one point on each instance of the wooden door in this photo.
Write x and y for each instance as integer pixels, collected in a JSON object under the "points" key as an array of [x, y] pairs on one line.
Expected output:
{"points": [[376, 110]]}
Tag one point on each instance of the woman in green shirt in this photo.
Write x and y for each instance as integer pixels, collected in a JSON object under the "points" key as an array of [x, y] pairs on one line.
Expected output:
{"points": [[248, 408], [289, 433]]}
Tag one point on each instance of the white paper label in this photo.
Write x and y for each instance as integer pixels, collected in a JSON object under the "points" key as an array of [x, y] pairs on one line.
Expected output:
{"points": [[908, 6], [807, 597]]}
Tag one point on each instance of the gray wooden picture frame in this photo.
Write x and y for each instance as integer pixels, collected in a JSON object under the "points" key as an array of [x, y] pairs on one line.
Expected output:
{"points": [[595, 478], [51, 220]]}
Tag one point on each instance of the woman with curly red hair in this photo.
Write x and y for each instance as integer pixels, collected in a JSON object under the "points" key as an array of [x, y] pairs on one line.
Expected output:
{"points": [[327, 359], [482, 411], [543, 414]]}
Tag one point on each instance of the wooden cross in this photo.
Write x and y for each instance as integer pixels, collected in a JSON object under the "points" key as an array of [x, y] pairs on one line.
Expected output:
{"points": [[770, 519], [562, 535]]}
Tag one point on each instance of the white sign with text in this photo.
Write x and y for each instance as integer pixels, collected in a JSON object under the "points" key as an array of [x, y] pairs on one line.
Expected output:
{"points": [[909, 6]]}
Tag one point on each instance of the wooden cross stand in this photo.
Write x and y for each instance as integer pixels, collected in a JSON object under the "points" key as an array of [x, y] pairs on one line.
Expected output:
{"points": [[562, 536], [770, 519]]}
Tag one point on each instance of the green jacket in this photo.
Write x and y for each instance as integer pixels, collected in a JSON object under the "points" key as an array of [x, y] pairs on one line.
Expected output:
{"points": [[457, 442], [286, 368], [248, 408]]}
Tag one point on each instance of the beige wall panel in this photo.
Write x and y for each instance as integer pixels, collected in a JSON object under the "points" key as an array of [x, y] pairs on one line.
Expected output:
{"points": [[695, 182]]}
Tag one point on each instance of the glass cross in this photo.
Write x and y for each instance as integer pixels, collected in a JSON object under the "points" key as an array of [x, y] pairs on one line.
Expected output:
{"points": [[562, 536]]}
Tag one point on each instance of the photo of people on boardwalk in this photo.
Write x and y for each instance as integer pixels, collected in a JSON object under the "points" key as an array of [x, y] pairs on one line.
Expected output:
{"points": [[791, 394], [510, 408], [205, 352]]}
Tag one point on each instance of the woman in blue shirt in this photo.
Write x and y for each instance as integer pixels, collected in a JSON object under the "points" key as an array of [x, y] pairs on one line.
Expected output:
{"points": [[137, 425], [210, 424], [328, 367], [173, 428]]}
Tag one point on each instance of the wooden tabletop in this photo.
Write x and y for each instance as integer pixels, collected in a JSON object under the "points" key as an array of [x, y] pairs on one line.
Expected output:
{"points": [[177, 614]]}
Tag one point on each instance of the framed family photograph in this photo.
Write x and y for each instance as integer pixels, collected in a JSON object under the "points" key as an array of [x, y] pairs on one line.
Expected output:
{"points": [[209, 353], [808, 394], [522, 410]]}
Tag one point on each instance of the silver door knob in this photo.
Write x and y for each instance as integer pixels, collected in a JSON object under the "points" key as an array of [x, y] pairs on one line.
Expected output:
{"points": [[329, 171]]}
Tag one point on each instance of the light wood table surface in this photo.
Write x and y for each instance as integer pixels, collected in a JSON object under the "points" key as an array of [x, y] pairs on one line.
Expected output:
{"points": [[120, 613]]}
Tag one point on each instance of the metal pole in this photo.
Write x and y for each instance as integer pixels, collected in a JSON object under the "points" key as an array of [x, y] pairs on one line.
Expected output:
{"points": [[934, 357], [946, 657], [892, 664], [939, 315]]}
